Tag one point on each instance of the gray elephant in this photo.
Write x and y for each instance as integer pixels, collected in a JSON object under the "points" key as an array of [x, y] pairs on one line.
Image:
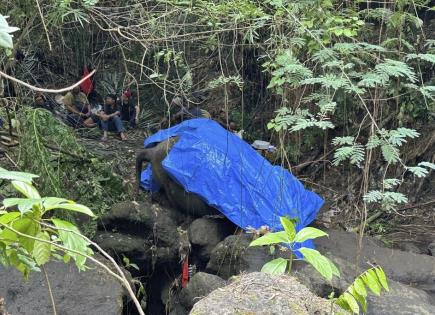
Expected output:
{"points": [[186, 202]]}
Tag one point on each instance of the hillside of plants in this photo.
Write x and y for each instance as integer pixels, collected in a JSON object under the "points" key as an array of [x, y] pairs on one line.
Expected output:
{"points": [[344, 90]]}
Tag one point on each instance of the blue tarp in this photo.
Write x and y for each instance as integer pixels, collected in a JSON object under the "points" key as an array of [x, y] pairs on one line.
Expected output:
{"points": [[232, 177]]}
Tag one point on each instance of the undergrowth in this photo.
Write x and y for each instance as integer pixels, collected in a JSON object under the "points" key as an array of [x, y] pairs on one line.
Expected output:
{"points": [[50, 148]]}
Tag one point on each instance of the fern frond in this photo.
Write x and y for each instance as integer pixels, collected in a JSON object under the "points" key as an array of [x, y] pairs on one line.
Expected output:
{"points": [[418, 171], [345, 48], [329, 81], [427, 164], [426, 57], [355, 153], [373, 196], [428, 91], [349, 140], [326, 106], [390, 153], [397, 137], [326, 54], [391, 197], [371, 47], [390, 183], [395, 68], [373, 79], [373, 142]]}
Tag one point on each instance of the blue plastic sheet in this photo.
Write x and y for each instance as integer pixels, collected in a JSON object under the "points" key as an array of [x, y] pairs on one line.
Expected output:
{"points": [[232, 177]]}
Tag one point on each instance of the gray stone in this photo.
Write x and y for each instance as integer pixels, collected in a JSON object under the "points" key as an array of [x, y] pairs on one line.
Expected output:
{"points": [[411, 248], [400, 266], [259, 293], [87, 292], [233, 255], [431, 248], [198, 287], [206, 233], [400, 299], [120, 243]]}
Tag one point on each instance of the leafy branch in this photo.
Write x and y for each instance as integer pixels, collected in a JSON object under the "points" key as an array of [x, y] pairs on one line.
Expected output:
{"points": [[27, 242]]}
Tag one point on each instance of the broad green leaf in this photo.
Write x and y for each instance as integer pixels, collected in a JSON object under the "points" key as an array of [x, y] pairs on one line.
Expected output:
{"points": [[6, 40], [72, 207], [351, 302], [48, 202], [275, 267], [271, 238], [29, 227], [24, 204], [359, 286], [334, 268], [382, 277], [42, 250], [73, 240], [308, 233], [318, 261], [19, 176], [289, 227], [8, 217], [26, 189], [371, 280]]}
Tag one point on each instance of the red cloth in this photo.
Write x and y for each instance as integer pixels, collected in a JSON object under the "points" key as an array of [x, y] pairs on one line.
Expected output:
{"points": [[127, 93], [86, 85], [185, 273]]}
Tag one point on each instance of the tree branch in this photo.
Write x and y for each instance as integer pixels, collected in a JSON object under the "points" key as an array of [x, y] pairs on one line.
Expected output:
{"points": [[34, 88]]}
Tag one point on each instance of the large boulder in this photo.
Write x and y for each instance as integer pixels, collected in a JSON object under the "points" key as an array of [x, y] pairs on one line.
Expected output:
{"points": [[206, 233], [199, 286], [405, 267], [400, 299], [411, 275], [89, 292], [259, 293], [431, 248], [233, 255]]}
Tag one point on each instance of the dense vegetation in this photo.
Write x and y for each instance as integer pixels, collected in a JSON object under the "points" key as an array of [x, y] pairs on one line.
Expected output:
{"points": [[344, 88]]}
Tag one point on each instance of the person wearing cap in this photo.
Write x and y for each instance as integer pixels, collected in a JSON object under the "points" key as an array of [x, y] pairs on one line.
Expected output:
{"points": [[129, 111], [79, 109], [110, 118]]}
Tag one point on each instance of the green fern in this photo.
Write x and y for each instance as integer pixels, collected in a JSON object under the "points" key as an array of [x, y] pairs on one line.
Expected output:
{"points": [[426, 57], [324, 55], [355, 153], [390, 183], [422, 170], [329, 81], [395, 68]]}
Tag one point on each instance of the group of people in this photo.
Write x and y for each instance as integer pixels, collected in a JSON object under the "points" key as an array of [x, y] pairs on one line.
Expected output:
{"points": [[110, 116], [116, 111]]}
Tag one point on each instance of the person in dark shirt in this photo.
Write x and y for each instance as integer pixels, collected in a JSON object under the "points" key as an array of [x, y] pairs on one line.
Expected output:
{"points": [[42, 102], [79, 109], [129, 111], [110, 118]]}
